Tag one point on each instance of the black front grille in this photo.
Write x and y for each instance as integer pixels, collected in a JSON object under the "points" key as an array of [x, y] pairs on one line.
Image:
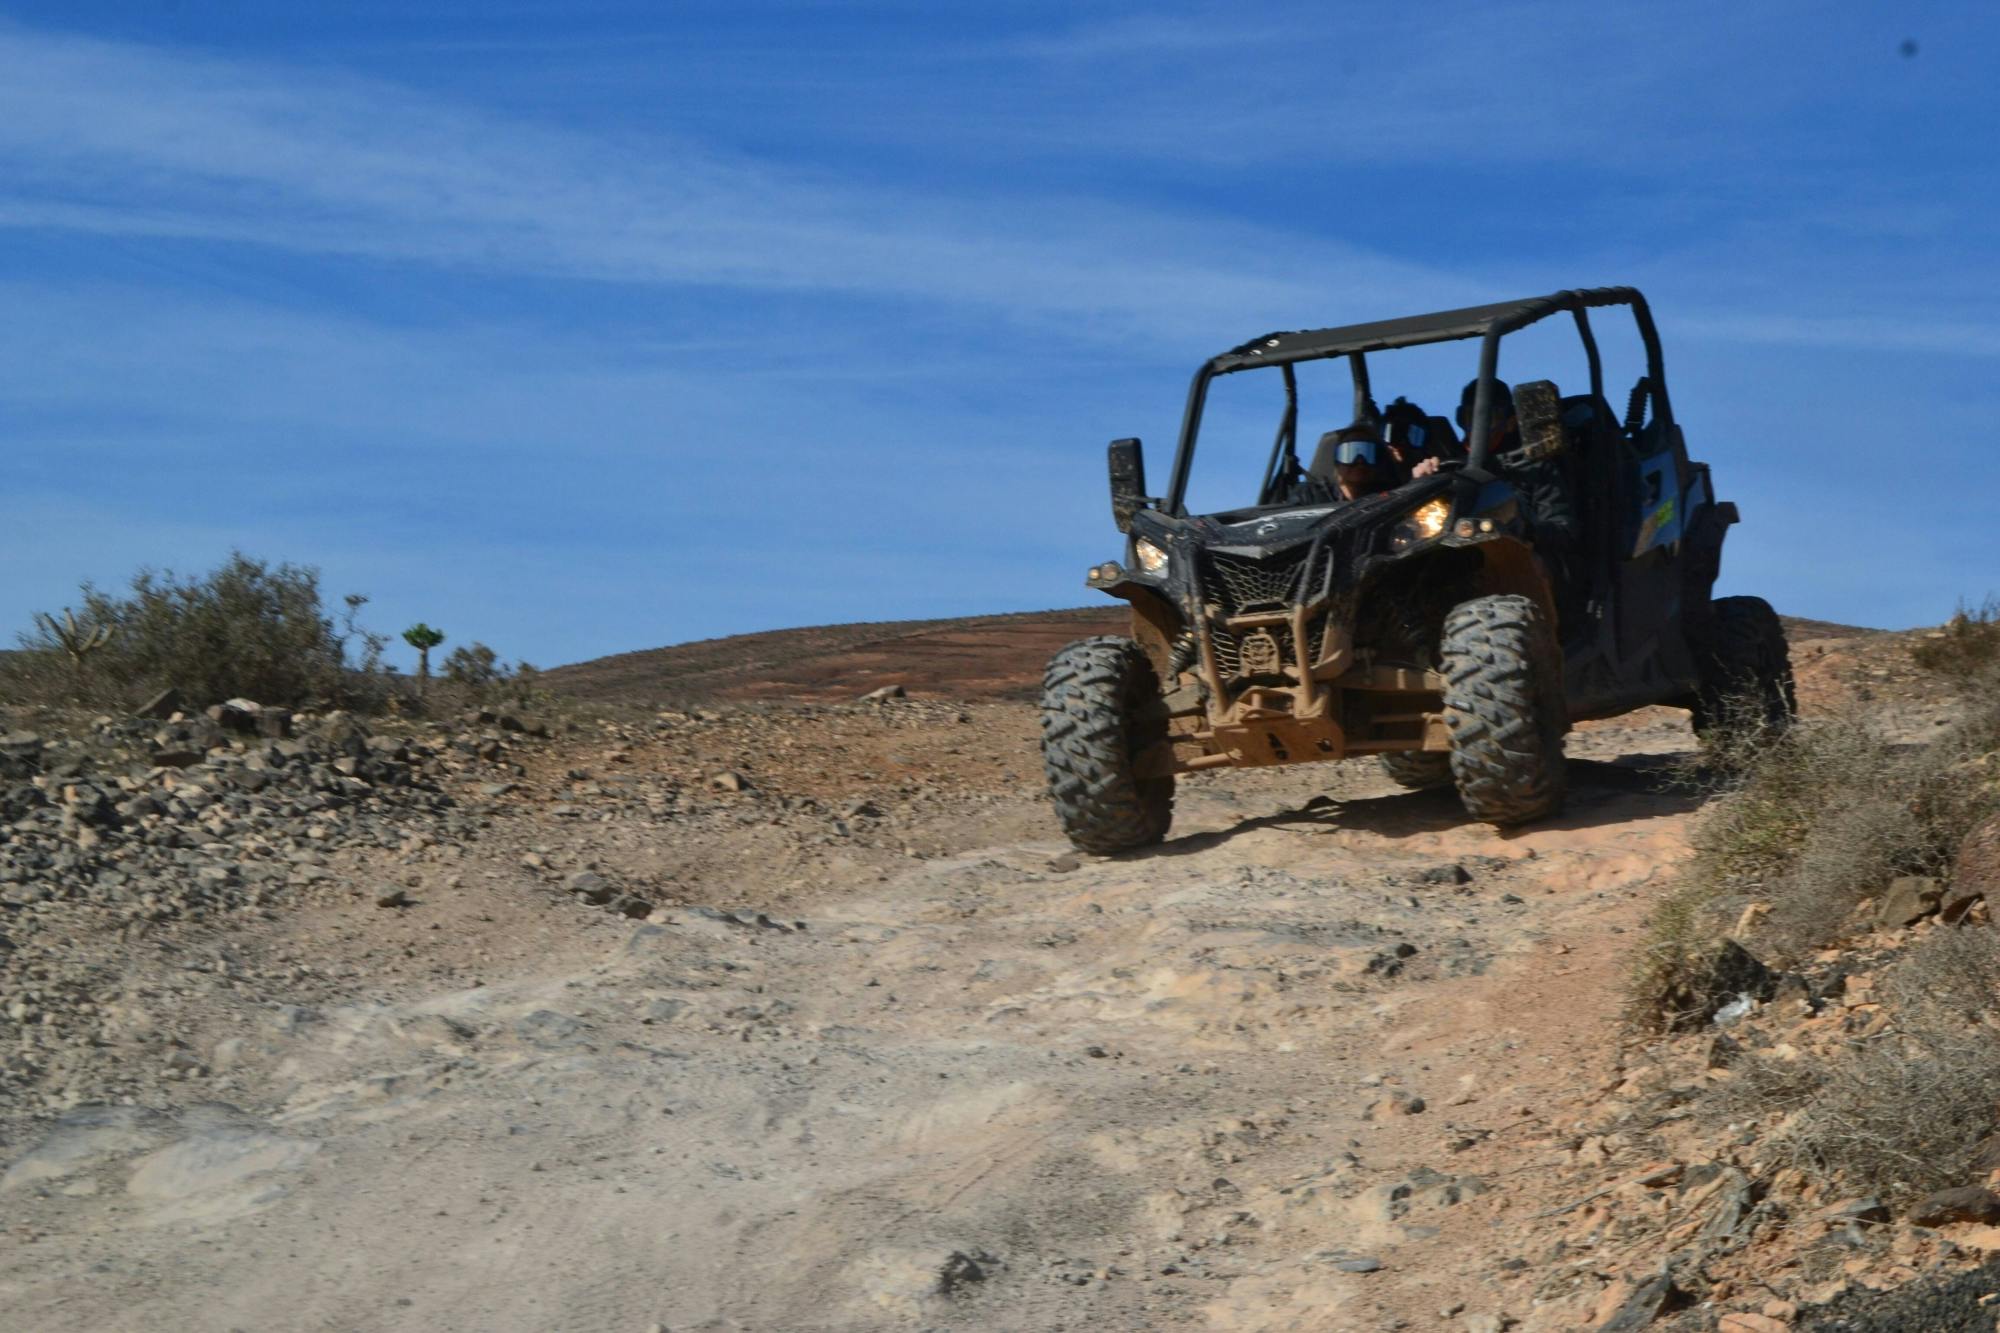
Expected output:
{"points": [[1236, 584]]}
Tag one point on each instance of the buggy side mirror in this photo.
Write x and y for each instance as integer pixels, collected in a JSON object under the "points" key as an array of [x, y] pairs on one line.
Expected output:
{"points": [[1128, 482]]}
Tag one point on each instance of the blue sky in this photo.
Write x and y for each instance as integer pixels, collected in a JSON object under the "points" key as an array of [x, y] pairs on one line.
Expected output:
{"points": [[588, 327]]}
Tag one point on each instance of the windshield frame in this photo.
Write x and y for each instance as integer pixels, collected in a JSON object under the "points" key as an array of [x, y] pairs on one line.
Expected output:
{"points": [[1489, 324]]}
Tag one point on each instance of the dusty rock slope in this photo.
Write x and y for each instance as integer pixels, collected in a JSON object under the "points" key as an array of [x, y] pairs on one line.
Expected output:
{"points": [[779, 1016]]}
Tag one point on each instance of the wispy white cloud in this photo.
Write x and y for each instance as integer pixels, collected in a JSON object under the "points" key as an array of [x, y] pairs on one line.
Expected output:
{"points": [[1862, 333], [112, 139]]}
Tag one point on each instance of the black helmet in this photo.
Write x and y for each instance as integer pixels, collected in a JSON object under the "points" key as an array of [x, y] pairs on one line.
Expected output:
{"points": [[1407, 426], [1503, 404]]}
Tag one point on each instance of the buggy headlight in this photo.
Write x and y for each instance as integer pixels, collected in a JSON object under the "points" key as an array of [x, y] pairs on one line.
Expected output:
{"points": [[1151, 558], [1424, 523]]}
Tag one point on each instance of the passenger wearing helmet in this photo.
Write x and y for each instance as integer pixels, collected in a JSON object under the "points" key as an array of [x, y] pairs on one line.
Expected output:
{"points": [[1417, 443]]}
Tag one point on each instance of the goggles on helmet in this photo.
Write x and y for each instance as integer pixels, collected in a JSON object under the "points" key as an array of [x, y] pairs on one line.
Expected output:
{"points": [[1359, 451]]}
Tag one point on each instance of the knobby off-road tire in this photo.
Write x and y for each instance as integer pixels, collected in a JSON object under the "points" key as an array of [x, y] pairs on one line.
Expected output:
{"points": [[1505, 709], [1418, 770], [1100, 711], [1746, 668]]}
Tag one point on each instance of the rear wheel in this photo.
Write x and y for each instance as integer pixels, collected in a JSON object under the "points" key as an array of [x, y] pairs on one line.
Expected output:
{"points": [[1505, 709], [1746, 669], [1418, 769], [1101, 710]]}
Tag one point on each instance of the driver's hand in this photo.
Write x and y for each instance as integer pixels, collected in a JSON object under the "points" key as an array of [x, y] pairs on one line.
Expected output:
{"points": [[1425, 467]]}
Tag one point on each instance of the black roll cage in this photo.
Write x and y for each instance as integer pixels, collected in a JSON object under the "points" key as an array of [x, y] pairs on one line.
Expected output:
{"points": [[1489, 323]]}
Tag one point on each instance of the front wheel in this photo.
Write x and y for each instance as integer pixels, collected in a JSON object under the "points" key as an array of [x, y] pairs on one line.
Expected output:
{"points": [[1505, 709], [1101, 710]]}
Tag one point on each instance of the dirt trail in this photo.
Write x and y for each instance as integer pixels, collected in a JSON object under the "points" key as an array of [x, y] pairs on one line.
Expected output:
{"points": [[995, 1087]]}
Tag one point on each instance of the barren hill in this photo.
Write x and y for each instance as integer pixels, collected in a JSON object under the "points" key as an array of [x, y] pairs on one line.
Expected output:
{"points": [[986, 657], [968, 657]]}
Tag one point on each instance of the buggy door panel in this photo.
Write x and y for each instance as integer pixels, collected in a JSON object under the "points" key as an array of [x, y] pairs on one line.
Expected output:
{"points": [[1593, 463], [1658, 488], [1658, 514]]}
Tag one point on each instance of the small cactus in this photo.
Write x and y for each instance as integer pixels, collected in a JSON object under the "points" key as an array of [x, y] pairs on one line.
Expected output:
{"points": [[76, 640]]}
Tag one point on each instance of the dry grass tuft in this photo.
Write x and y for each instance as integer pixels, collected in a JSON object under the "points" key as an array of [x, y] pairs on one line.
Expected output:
{"points": [[1902, 1112], [1967, 650], [1810, 824]]}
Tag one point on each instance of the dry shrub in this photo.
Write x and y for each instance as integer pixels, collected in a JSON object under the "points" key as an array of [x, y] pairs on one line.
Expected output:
{"points": [[1967, 650], [1903, 1112], [1773, 793], [1811, 823]]}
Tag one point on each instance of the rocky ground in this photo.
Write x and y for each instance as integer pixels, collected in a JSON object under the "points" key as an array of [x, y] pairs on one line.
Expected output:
{"points": [[765, 1016]]}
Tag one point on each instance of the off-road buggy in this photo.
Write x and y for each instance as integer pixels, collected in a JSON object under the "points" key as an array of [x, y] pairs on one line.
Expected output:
{"points": [[1455, 624]]}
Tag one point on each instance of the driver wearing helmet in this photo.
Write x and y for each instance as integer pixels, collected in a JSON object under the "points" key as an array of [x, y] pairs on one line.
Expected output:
{"points": [[1358, 461]]}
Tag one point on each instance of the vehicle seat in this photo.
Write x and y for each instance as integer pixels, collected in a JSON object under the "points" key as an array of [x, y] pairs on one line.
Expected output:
{"points": [[1441, 440], [1598, 458], [1548, 460]]}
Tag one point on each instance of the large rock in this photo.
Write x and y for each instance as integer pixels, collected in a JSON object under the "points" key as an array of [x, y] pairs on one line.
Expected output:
{"points": [[20, 754], [345, 734], [1727, 973], [1968, 1203], [1743, 1321], [237, 715], [162, 705], [1656, 1297], [1908, 900], [527, 726], [1975, 875], [196, 736]]}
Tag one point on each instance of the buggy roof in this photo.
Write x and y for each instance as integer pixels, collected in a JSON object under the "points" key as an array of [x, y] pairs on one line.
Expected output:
{"points": [[1414, 330]]}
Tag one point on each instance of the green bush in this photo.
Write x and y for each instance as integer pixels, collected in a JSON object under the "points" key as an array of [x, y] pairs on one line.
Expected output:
{"points": [[246, 629]]}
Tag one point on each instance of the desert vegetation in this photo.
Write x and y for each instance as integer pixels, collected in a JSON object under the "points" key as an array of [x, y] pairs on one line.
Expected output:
{"points": [[1966, 652], [246, 629], [1840, 862]]}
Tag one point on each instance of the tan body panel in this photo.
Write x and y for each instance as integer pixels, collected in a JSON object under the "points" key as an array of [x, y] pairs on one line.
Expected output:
{"points": [[1334, 701]]}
